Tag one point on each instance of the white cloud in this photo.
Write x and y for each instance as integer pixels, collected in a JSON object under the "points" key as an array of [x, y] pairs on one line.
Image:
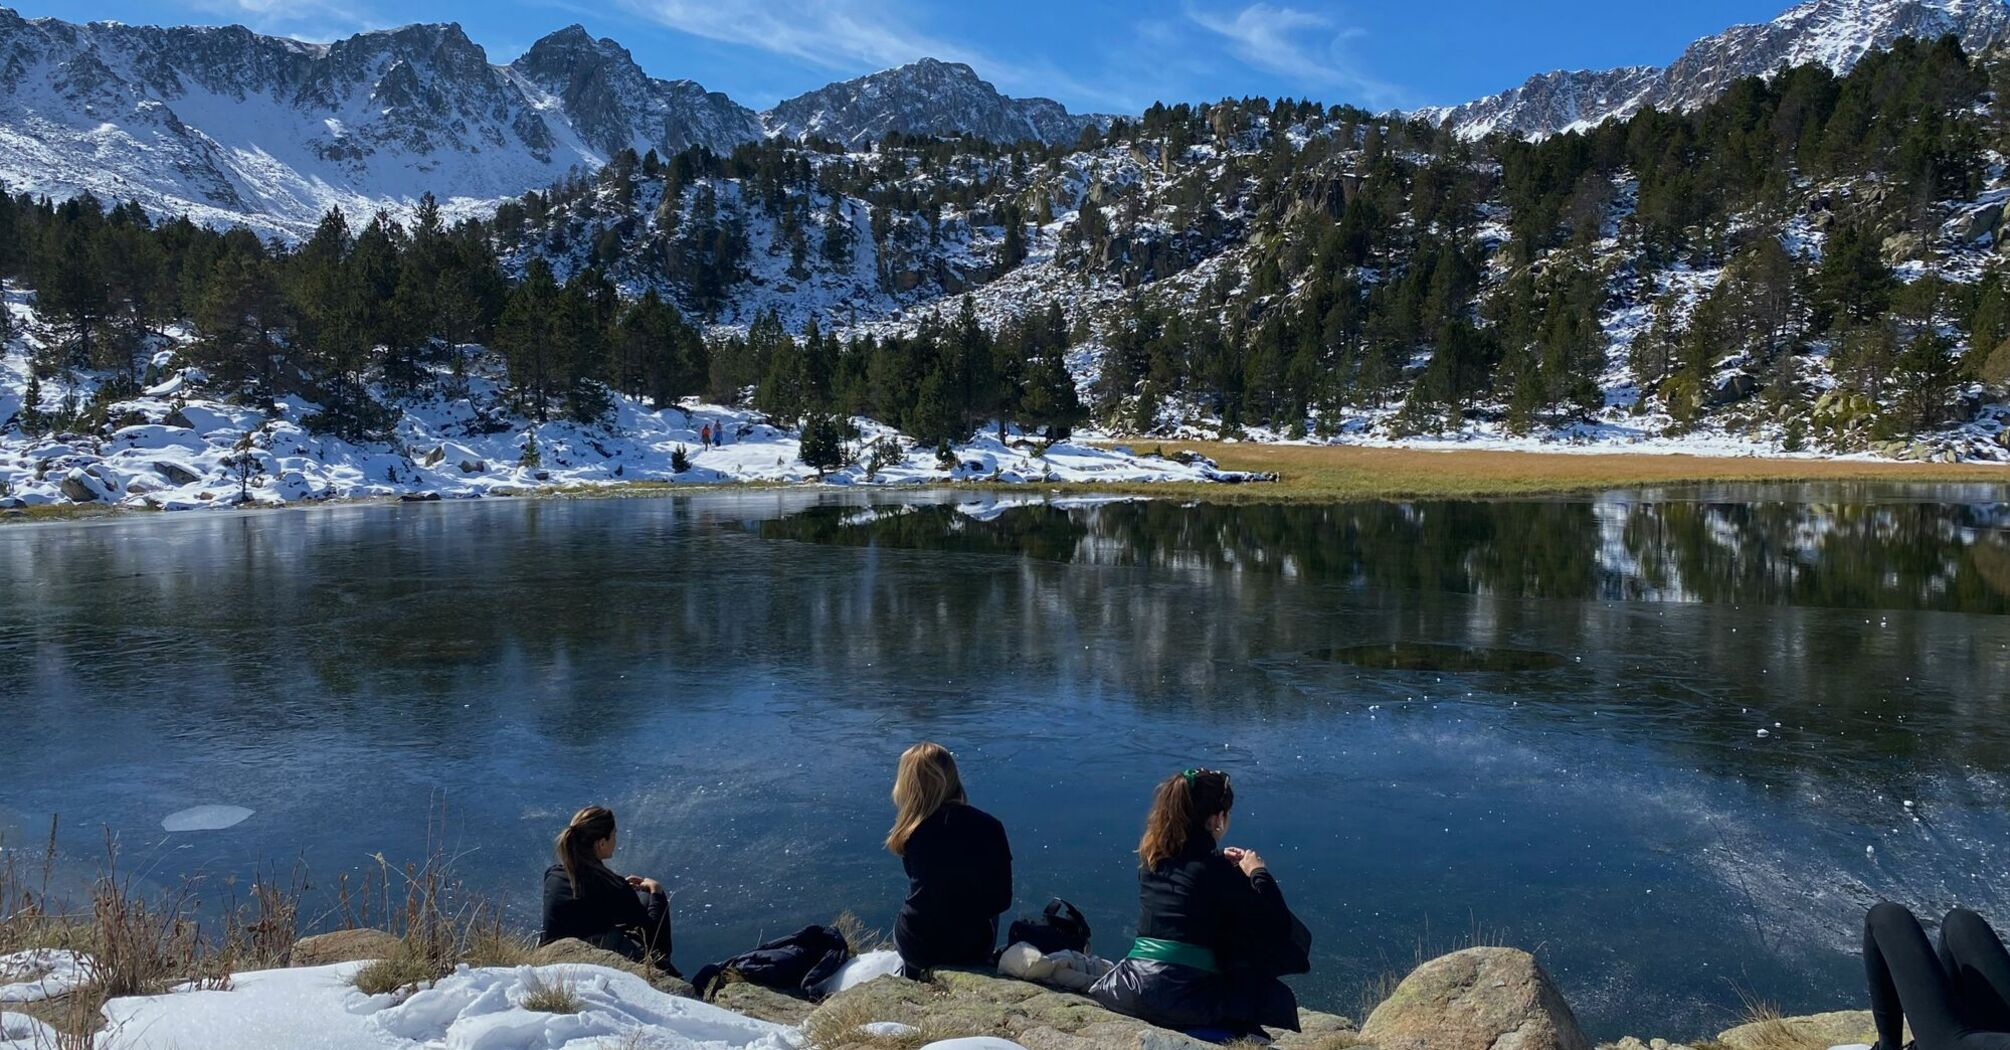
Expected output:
{"points": [[1305, 46], [857, 36], [302, 19]]}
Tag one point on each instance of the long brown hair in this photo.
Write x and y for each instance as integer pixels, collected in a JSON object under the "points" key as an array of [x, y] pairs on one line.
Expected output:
{"points": [[926, 782], [574, 847], [1181, 808]]}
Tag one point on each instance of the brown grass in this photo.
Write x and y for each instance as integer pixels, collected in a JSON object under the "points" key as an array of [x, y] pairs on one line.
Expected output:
{"points": [[1771, 1031], [559, 995], [856, 934], [840, 1025], [1343, 472]]}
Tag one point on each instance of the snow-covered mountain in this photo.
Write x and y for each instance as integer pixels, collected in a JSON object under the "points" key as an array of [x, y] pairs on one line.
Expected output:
{"points": [[928, 97], [613, 105], [229, 126], [1834, 33]]}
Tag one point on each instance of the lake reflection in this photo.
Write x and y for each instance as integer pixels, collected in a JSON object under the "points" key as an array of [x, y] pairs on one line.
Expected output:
{"points": [[736, 672]]}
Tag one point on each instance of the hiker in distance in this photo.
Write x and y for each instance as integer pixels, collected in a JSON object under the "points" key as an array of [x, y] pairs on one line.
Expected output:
{"points": [[1214, 933], [587, 900], [958, 862], [1955, 999]]}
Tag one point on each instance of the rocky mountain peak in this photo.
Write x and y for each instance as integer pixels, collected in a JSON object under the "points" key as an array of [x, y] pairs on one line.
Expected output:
{"points": [[924, 97]]}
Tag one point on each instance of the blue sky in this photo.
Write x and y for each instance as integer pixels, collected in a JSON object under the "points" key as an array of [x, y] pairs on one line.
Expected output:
{"points": [[1090, 54]]}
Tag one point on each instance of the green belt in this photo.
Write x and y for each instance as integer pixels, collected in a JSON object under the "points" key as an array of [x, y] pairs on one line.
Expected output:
{"points": [[1177, 952]]}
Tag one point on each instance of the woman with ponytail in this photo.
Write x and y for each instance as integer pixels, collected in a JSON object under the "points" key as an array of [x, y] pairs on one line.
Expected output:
{"points": [[958, 863], [1214, 934], [586, 900]]}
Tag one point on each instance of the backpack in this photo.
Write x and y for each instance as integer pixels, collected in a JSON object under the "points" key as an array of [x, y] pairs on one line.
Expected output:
{"points": [[1061, 928]]}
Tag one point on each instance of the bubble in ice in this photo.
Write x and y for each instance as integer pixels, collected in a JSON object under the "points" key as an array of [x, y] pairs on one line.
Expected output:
{"points": [[205, 818], [1765, 732]]}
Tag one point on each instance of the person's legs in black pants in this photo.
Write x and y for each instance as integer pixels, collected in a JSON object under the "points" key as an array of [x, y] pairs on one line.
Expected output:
{"points": [[1978, 965], [1907, 983]]}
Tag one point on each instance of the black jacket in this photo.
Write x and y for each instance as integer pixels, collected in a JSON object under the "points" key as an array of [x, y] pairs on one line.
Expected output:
{"points": [[1200, 897], [604, 905], [799, 964], [959, 872]]}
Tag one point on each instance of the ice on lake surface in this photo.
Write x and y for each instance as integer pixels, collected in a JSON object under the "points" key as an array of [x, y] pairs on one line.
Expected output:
{"points": [[205, 818], [735, 673]]}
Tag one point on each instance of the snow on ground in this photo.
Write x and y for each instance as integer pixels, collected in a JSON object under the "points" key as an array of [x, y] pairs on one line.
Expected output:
{"points": [[45, 973], [186, 453], [319, 1008]]}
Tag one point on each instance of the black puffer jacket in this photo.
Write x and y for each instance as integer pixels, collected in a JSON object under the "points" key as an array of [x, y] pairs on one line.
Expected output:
{"points": [[1201, 898], [959, 872], [605, 911]]}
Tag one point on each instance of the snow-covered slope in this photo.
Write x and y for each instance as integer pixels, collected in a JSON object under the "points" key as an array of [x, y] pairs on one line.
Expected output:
{"points": [[1834, 33], [928, 97], [228, 126]]}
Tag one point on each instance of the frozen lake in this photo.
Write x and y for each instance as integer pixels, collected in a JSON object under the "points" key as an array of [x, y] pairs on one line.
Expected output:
{"points": [[1663, 739]]}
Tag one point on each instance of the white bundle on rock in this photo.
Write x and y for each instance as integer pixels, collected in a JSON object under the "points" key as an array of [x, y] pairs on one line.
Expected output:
{"points": [[1073, 971]]}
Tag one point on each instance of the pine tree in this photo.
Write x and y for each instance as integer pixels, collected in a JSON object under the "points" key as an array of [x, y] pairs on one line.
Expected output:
{"points": [[822, 442]]}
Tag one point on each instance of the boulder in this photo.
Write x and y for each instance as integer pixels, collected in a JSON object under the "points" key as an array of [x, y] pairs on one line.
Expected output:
{"points": [[578, 952], [1831, 1029], [179, 473], [323, 949], [1980, 223], [1317, 1031], [473, 466], [764, 1004], [1477, 999], [1902, 247], [433, 458], [1735, 387], [84, 485]]}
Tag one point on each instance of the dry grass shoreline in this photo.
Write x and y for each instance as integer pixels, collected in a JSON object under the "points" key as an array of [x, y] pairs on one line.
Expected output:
{"points": [[1322, 474]]}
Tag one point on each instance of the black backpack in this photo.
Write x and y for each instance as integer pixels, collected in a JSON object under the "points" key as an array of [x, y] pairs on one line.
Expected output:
{"points": [[1061, 928]]}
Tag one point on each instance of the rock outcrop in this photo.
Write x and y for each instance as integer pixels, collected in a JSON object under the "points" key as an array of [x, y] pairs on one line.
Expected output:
{"points": [[325, 949], [1477, 999], [960, 1003]]}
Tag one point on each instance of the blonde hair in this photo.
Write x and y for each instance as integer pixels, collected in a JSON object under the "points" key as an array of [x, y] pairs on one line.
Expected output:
{"points": [[1181, 808], [574, 846], [926, 782]]}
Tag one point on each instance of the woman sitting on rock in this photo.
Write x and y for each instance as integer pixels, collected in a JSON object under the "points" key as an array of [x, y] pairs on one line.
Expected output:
{"points": [[959, 866], [585, 899], [1957, 999], [1214, 934]]}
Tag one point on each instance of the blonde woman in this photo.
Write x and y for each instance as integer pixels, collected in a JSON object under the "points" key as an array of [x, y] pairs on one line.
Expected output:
{"points": [[959, 866], [586, 900]]}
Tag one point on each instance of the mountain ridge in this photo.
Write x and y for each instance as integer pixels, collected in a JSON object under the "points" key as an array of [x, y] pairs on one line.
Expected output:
{"points": [[1833, 33], [230, 126]]}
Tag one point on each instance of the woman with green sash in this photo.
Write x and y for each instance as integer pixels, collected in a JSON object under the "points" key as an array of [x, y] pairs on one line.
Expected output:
{"points": [[1214, 933]]}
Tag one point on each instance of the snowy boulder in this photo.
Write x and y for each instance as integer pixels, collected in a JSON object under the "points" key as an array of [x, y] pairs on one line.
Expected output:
{"points": [[1476, 999], [176, 472], [88, 485], [155, 436], [1980, 223], [473, 466]]}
